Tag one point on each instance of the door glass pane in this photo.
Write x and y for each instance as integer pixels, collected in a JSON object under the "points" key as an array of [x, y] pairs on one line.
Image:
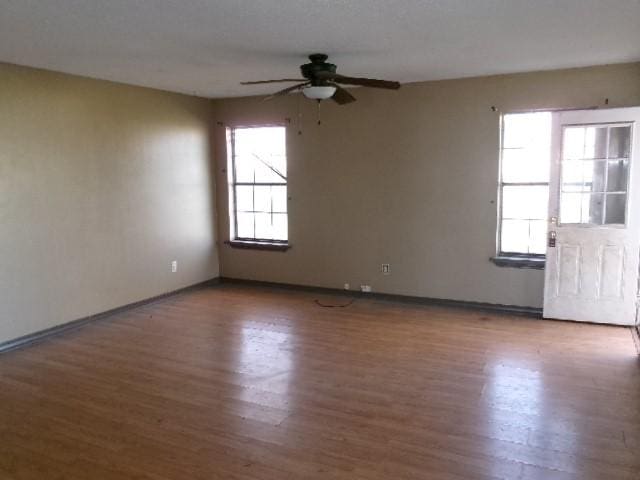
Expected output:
{"points": [[595, 212], [585, 177], [595, 139], [594, 175], [573, 147], [573, 176], [619, 141], [616, 205], [571, 207], [581, 208], [617, 175]]}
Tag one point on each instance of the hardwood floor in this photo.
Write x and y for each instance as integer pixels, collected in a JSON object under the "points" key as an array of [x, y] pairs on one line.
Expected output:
{"points": [[237, 382]]}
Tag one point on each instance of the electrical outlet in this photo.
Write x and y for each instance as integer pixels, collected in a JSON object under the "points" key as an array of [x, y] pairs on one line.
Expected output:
{"points": [[347, 286], [386, 269], [174, 266], [365, 288]]}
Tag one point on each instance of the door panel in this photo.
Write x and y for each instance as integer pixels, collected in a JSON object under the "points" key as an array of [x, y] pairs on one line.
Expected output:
{"points": [[568, 270], [594, 228], [611, 266]]}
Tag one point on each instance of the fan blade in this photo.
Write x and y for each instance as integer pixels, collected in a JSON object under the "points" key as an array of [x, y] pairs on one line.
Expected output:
{"points": [[342, 97], [365, 82], [287, 90], [258, 82]]}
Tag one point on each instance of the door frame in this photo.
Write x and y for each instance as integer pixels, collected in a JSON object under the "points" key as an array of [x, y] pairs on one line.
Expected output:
{"points": [[555, 185]]}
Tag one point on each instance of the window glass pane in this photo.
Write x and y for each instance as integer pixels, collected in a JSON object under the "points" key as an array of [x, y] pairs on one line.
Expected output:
{"points": [[515, 236], [262, 199], [619, 142], [524, 165], [266, 171], [244, 198], [525, 202], [280, 226], [538, 237], [616, 206], [595, 139], [617, 176], [263, 226], [526, 130], [258, 169], [245, 225], [266, 140], [271, 227], [279, 198], [243, 169]]}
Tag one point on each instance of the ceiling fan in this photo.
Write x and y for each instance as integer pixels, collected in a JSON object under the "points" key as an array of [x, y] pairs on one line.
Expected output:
{"points": [[321, 81]]}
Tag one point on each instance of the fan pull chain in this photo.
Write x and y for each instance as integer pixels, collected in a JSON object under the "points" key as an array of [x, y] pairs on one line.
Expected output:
{"points": [[299, 115], [319, 121]]}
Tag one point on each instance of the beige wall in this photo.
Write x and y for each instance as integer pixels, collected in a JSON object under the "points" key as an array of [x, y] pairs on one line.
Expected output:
{"points": [[101, 186], [406, 178]]}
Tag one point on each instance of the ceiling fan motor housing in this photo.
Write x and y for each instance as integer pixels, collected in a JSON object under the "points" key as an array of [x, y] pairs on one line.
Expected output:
{"points": [[318, 64]]}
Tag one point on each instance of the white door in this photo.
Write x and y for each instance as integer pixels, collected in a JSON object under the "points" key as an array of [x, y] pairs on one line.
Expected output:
{"points": [[593, 244]]}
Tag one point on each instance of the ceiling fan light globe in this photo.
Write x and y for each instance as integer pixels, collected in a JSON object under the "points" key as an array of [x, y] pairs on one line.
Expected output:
{"points": [[319, 92]]}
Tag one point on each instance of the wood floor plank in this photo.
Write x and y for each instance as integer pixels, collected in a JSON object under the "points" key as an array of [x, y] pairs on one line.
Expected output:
{"points": [[238, 382]]}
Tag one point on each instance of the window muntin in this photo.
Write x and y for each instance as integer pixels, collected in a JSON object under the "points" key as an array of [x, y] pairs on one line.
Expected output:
{"points": [[258, 183], [524, 183], [594, 174]]}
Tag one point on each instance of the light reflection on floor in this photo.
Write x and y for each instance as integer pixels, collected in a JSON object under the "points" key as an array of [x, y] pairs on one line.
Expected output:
{"points": [[515, 395], [266, 359]]}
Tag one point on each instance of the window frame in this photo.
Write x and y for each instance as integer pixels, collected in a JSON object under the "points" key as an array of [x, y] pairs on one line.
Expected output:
{"points": [[232, 184], [502, 257]]}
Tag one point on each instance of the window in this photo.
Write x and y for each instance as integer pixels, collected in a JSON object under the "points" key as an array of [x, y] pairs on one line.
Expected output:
{"points": [[524, 184], [257, 172], [594, 173]]}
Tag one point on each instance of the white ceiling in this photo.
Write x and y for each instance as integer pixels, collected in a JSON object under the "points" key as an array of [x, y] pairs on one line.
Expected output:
{"points": [[206, 47]]}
